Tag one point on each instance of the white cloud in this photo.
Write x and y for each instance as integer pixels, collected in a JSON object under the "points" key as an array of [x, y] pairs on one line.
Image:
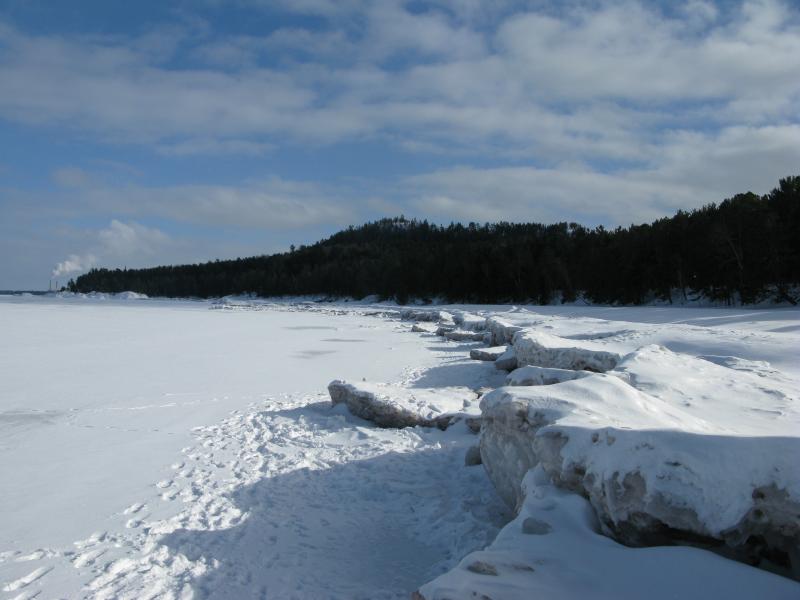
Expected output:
{"points": [[271, 204], [530, 194], [526, 82], [131, 239], [606, 112], [119, 243], [74, 264], [693, 169]]}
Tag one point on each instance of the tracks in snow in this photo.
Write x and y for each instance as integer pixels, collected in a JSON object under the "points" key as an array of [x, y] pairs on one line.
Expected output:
{"points": [[294, 499]]}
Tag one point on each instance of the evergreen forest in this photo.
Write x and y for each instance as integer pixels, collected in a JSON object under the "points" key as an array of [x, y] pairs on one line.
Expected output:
{"points": [[744, 249]]}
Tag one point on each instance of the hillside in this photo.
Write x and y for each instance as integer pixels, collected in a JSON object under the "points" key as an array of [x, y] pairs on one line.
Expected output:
{"points": [[744, 249]]}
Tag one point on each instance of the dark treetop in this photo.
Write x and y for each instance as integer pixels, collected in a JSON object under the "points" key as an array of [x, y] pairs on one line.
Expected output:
{"points": [[746, 248]]}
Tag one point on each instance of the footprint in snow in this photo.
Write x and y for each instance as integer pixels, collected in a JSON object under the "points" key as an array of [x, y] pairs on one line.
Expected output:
{"points": [[133, 508], [28, 579], [35, 555], [87, 559], [92, 540]]}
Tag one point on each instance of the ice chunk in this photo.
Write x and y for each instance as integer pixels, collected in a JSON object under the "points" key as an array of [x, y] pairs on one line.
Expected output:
{"points": [[502, 332], [394, 406], [507, 361], [530, 375], [462, 335], [469, 321], [487, 354], [552, 550], [657, 467], [544, 350]]}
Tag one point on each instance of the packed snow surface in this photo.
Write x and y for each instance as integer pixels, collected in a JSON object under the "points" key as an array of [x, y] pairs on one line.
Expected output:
{"points": [[156, 448]]}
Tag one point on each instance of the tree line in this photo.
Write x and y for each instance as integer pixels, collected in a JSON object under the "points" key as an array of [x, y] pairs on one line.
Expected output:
{"points": [[744, 249]]}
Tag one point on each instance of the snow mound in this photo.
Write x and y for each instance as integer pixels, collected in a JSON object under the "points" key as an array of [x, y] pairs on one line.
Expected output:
{"points": [[545, 350], [502, 331], [667, 448], [423, 328], [464, 335], [469, 321], [395, 406], [131, 296], [487, 354], [530, 375], [102, 296], [417, 314], [553, 550]]}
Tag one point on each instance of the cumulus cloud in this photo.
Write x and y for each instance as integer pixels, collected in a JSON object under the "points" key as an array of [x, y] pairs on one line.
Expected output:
{"points": [[271, 204], [74, 264], [602, 112], [693, 169], [119, 243], [130, 239], [568, 193], [530, 75]]}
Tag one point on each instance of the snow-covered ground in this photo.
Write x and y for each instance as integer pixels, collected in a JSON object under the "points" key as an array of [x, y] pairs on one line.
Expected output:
{"points": [[164, 449]]}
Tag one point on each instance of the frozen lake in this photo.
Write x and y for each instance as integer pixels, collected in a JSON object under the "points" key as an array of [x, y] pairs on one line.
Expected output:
{"points": [[162, 449], [97, 399]]}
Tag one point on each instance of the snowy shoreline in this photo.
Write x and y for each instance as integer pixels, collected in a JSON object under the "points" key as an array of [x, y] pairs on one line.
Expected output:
{"points": [[262, 459], [655, 507]]}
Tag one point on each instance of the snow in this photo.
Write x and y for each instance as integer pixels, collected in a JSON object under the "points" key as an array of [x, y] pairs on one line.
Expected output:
{"points": [[553, 549], [154, 448], [531, 375], [397, 406], [698, 472], [488, 354], [110, 415], [533, 347]]}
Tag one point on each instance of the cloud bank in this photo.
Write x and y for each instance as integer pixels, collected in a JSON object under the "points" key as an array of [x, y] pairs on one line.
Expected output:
{"points": [[605, 112]]}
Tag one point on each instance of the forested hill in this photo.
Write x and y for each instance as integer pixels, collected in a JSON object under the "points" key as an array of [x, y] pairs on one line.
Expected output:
{"points": [[746, 247]]}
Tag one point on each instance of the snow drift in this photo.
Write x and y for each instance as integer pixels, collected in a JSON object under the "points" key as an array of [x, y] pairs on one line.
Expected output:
{"points": [[553, 549], [666, 448]]}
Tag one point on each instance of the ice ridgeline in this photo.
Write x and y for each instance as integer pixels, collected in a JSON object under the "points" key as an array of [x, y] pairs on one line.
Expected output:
{"points": [[648, 447]]}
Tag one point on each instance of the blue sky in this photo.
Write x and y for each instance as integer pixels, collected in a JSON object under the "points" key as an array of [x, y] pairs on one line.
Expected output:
{"points": [[144, 133]]}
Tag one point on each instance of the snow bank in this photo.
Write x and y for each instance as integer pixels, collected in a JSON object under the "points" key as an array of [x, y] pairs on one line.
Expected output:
{"points": [[540, 349], [502, 331], [530, 375], [469, 321], [102, 296], [666, 448], [419, 314], [553, 550], [395, 406], [131, 296]]}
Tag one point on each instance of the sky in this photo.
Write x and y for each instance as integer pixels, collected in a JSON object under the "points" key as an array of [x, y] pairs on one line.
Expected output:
{"points": [[152, 132]]}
